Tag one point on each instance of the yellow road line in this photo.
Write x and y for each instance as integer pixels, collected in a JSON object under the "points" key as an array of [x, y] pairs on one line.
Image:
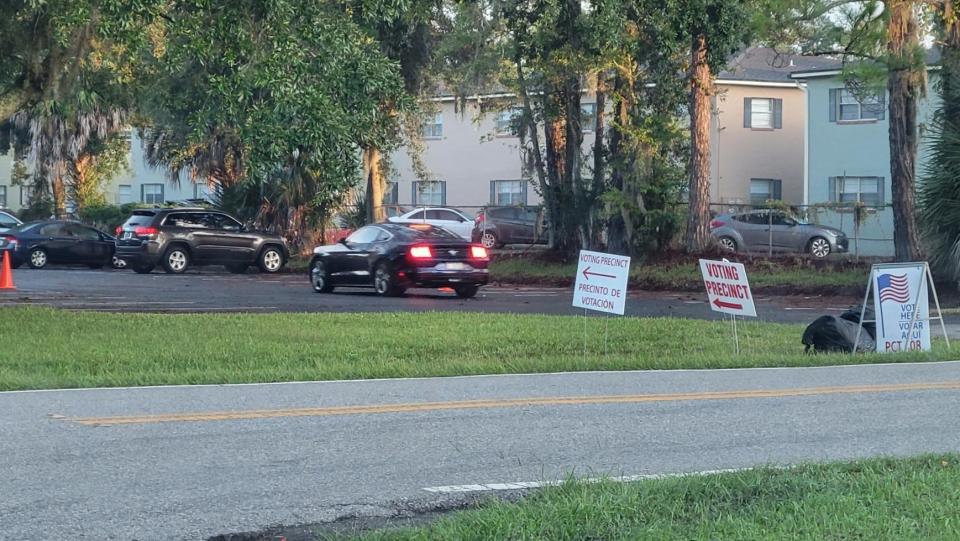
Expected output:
{"points": [[507, 403]]}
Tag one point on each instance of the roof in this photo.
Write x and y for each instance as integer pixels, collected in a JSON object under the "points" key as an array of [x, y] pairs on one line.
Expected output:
{"points": [[764, 64], [932, 58]]}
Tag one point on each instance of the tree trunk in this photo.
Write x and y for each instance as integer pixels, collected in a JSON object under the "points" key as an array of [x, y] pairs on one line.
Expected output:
{"points": [[618, 240], [59, 196], [701, 84], [376, 184], [904, 84]]}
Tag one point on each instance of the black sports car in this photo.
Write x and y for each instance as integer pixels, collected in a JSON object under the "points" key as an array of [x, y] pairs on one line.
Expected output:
{"points": [[393, 257], [56, 241]]}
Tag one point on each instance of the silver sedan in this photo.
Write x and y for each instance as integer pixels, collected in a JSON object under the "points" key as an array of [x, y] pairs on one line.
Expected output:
{"points": [[766, 230]]}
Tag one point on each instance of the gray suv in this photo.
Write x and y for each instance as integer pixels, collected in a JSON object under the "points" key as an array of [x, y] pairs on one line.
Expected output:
{"points": [[761, 230]]}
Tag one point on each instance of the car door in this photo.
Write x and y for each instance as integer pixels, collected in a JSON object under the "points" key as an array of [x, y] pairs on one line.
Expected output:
{"points": [[90, 247], [350, 265], [752, 227], [526, 224], [57, 241], [192, 227], [787, 233], [232, 243], [451, 221]]}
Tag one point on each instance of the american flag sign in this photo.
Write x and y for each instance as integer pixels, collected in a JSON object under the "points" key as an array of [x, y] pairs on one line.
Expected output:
{"points": [[893, 287]]}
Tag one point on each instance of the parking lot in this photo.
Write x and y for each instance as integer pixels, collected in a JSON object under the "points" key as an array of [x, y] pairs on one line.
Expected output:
{"points": [[214, 290]]}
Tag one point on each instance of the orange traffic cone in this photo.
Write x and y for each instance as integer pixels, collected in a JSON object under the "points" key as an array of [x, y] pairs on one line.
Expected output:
{"points": [[6, 273]]}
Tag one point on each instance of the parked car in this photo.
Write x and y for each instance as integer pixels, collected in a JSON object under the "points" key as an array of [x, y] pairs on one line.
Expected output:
{"points": [[178, 238], [756, 231], [393, 257], [58, 242], [8, 221], [450, 219], [497, 226]]}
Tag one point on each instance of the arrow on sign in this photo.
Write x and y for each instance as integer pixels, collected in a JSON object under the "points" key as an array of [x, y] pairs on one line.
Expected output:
{"points": [[587, 274], [733, 306]]}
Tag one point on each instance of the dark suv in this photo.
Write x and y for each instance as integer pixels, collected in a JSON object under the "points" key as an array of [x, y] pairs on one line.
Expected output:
{"points": [[496, 226], [176, 238]]}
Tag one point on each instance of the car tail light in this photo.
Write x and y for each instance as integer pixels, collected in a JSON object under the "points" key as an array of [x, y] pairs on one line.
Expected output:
{"points": [[421, 252], [10, 240], [481, 217], [715, 224], [118, 230], [478, 252], [148, 232]]}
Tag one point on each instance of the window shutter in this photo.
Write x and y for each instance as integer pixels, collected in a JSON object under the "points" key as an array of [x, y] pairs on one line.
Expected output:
{"points": [[443, 193], [777, 114], [143, 193], [777, 189], [523, 189], [413, 193], [833, 104], [833, 189], [746, 112], [493, 192], [882, 113], [881, 194]]}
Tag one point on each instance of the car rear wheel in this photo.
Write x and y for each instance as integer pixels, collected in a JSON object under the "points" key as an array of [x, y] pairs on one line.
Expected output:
{"points": [[819, 247], [118, 263], [142, 269], [385, 283], [489, 240], [38, 258], [176, 260], [319, 278], [727, 244], [467, 292]]}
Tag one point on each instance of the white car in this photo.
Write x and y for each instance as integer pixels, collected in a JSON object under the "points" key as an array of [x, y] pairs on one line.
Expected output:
{"points": [[8, 221], [449, 219]]}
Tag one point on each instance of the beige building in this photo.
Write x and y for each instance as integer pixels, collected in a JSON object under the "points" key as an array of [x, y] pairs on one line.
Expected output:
{"points": [[758, 145]]}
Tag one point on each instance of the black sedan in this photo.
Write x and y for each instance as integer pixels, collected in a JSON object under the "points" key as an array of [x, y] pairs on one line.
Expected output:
{"points": [[51, 242], [392, 257]]}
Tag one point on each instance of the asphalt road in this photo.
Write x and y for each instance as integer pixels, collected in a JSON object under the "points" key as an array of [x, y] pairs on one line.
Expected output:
{"points": [[109, 290], [194, 462]]}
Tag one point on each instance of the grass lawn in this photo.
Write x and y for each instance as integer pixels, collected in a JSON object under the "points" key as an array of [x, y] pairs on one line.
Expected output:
{"points": [[47, 348], [875, 500], [686, 277]]}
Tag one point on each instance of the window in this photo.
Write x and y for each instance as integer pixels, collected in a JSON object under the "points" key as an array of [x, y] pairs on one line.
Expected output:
{"points": [[193, 220], [433, 128], [221, 221], [85, 233], [3, 196], [151, 193], [391, 196], [53, 230], [763, 113], [588, 116], [430, 193], [867, 190], [26, 194], [508, 192], [124, 194], [508, 121], [764, 189], [201, 191], [364, 235], [845, 106], [441, 214]]}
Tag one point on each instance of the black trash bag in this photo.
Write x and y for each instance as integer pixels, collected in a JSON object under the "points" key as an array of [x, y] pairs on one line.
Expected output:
{"points": [[853, 314], [832, 333]]}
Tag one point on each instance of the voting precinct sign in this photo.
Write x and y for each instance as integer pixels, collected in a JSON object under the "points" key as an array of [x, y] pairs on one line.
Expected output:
{"points": [[727, 288], [902, 307], [601, 282]]}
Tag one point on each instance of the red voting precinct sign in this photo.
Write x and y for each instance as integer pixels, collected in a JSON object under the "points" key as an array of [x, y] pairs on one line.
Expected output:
{"points": [[601, 282], [727, 288]]}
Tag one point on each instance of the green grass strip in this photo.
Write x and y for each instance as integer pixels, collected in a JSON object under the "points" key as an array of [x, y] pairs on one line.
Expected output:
{"points": [[875, 500], [47, 348]]}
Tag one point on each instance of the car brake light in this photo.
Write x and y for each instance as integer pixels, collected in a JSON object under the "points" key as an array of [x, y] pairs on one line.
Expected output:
{"points": [[421, 252], [11, 240], [478, 252], [481, 217], [118, 230], [715, 224], [146, 231]]}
